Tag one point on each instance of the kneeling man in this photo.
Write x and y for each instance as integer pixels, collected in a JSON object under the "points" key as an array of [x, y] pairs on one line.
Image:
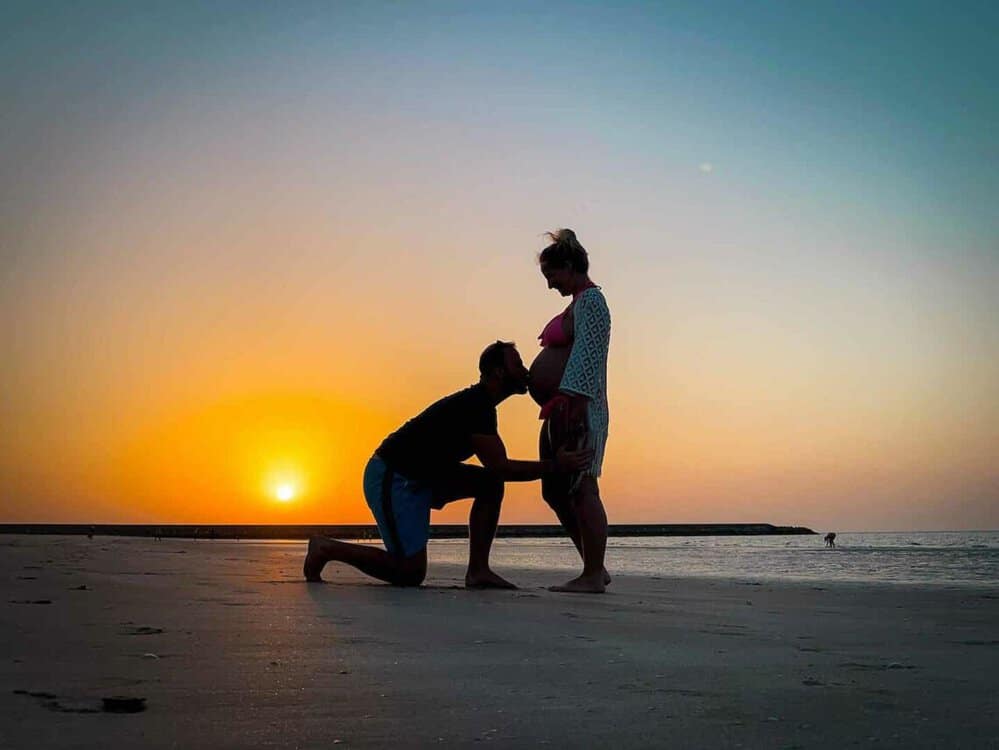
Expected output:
{"points": [[420, 467]]}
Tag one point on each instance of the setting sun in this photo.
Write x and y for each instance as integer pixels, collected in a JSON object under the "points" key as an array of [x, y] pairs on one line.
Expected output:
{"points": [[285, 492], [285, 481]]}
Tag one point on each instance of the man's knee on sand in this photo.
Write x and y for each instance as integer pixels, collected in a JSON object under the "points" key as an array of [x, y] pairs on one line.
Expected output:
{"points": [[411, 570]]}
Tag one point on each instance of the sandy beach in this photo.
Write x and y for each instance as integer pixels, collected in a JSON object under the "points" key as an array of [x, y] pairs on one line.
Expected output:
{"points": [[231, 649]]}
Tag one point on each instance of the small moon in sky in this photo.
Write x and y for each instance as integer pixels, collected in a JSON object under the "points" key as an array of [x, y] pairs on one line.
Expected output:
{"points": [[706, 167]]}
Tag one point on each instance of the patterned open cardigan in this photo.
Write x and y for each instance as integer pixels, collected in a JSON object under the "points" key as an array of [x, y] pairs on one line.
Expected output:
{"points": [[586, 371]]}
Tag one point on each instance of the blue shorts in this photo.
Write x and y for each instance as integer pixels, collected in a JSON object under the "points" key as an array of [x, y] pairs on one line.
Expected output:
{"points": [[402, 506]]}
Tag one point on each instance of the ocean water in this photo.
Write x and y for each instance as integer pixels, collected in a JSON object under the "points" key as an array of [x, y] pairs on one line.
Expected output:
{"points": [[951, 558]]}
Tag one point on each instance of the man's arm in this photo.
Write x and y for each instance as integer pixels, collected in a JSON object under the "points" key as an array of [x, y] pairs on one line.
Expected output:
{"points": [[492, 453]]}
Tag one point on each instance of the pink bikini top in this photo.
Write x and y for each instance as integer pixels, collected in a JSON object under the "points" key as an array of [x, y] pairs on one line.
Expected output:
{"points": [[553, 336]]}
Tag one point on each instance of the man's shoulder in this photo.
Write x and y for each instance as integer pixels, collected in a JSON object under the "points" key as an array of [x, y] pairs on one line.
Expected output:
{"points": [[473, 400], [471, 393], [474, 396]]}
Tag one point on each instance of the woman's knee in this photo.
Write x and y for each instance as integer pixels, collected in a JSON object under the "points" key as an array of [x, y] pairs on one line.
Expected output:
{"points": [[554, 496], [588, 488], [557, 497]]}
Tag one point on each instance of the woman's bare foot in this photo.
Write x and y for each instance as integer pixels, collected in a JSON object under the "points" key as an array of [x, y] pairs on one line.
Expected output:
{"points": [[314, 560], [486, 580], [583, 585]]}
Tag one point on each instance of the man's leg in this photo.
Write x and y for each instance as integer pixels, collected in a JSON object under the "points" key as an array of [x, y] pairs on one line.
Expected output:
{"points": [[593, 532], [482, 522], [403, 515], [374, 561], [486, 489]]}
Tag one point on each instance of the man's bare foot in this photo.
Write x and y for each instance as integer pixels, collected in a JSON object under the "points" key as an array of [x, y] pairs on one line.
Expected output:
{"points": [[314, 560], [582, 585], [486, 580]]}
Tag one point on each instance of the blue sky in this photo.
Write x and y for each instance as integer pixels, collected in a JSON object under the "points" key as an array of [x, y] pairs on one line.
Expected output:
{"points": [[789, 196]]}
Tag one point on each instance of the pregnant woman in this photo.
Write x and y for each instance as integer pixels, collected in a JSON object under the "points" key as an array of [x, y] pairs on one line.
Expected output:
{"points": [[569, 382]]}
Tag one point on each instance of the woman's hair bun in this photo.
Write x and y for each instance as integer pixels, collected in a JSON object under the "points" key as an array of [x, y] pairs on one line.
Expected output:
{"points": [[567, 236], [563, 236]]}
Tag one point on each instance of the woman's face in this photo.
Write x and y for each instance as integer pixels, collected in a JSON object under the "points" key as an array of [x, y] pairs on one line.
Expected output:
{"points": [[558, 277]]}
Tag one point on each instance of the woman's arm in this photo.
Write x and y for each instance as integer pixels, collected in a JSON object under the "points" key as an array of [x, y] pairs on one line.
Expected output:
{"points": [[584, 374]]}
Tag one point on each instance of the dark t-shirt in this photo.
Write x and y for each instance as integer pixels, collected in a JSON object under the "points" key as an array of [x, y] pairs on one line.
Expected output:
{"points": [[441, 435]]}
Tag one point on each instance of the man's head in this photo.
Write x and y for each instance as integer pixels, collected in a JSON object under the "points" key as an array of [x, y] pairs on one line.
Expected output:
{"points": [[500, 364]]}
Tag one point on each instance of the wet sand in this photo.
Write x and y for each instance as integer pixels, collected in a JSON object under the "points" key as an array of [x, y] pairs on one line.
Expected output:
{"points": [[231, 649]]}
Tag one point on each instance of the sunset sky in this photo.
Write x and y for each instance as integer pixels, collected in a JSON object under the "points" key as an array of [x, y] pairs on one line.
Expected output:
{"points": [[241, 242]]}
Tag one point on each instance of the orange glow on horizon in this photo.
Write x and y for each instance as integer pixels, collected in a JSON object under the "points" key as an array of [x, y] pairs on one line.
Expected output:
{"points": [[266, 459]]}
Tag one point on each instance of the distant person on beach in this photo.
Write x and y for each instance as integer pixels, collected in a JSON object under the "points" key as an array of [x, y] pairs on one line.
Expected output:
{"points": [[419, 467], [831, 539], [568, 380]]}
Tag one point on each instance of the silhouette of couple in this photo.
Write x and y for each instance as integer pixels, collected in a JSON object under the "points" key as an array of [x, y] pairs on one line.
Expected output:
{"points": [[420, 466]]}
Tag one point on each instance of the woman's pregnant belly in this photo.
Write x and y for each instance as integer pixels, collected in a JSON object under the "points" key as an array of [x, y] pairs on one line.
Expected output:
{"points": [[546, 373]]}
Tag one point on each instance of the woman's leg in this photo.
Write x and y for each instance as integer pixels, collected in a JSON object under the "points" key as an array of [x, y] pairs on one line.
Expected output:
{"points": [[592, 521], [555, 488], [555, 492], [575, 511]]}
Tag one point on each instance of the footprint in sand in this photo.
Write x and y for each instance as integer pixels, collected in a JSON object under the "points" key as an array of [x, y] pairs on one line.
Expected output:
{"points": [[859, 667], [722, 632], [977, 643], [141, 630], [51, 702]]}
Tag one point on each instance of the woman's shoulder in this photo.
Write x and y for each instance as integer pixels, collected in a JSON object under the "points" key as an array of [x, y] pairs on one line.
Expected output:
{"points": [[594, 295]]}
